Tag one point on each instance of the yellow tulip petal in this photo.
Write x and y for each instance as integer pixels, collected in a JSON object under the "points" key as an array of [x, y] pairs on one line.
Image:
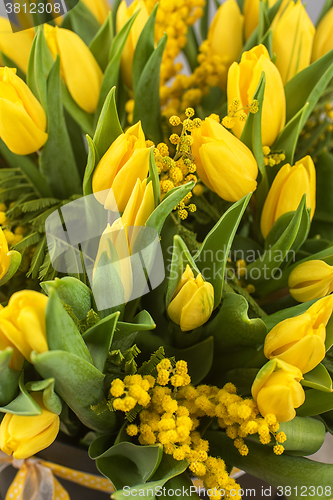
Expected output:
{"points": [[99, 8], [199, 309], [33, 319], [323, 41], [39, 442], [183, 297], [277, 400], [16, 46], [147, 206], [305, 354], [15, 336]]}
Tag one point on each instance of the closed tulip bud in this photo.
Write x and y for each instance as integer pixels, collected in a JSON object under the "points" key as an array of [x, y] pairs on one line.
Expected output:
{"points": [[22, 118], [311, 280], [251, 15], [78, 67], [22, 322], [224, 163], [192, 303], [225, 36], [277, 390], [300, 341], [9, 261], [140, 205], [287, 190], [16, 46], [293, 34], [99, 8], [243, 80], [123, 15], [323, 41], [23, 436], [125, 161]]}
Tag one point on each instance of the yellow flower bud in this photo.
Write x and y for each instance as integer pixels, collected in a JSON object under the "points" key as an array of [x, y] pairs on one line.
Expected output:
{"points": [[78, 67], [193, 301], [99, 8], [126, 160], [311, 280], [300, 341], [243, 79], [22, 322], [23, 121], [123, 15], [323, 41], [225, 36], [16, 46], [224, 163], [251, 15], [25, 436], [287, 190], [293, 34], [277, 390]]}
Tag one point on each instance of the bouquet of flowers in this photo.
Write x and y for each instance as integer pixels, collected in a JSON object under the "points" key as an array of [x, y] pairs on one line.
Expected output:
{"points": [[166, 255]]}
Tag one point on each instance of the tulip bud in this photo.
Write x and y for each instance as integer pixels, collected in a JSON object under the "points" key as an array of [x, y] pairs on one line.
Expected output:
{"points": [[311, 280], [251, 15], [323, 41], [16, 361], [99, 8], [287, 190], [193, 301], [123, 15], [16, 46], [277, 390], [25, 436], [125, 161], [22, 118], [300, 341], [293, 34], [78, 67], [9, 261], [225, 36], [22, 322], [224, 163], [140, 205], [243, 80]]}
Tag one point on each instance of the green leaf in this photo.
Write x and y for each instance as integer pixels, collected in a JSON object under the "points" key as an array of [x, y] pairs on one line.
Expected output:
{"points": [[144, 48], [92, 159], [29, 240], [79, 384], [323, 218], [288, 137], [168, 204], [319, 379], [99, 338], [217, 242], [147, 107], [40, 64], [57, 160], [38, 258], [83, 119], [154, 177], [15, 261], [61, 331], [83, 22], [108, 125], [305, 435], [308, 86], [23, 404], [9, 378], [101, 43], [71, 291], [50, 399], [125, 333], [316, 402], [191, 48]]}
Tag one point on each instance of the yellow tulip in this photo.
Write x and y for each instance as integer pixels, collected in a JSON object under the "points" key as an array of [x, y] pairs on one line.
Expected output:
{"points": [[311, 280], [323, 41], [277, 390], [123, 15], [22, 322], [293, 34], [22, 118], [79, 69], [25, 436], [99, 8], [192, 303], [140, 205], [225, 36], [126, 160], [16, 46], [4, 255], [243, 79], [287, 190], [224, 163], [251, 15], [300, 341], [17, 359]]}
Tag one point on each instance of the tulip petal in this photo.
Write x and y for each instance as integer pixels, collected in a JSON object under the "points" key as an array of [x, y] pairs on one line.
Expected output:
{"points": [[16, 46], [277, 400], [183, 297], [15, 336], [199, 309], [147, 206], [305, 354], [39, 442]]}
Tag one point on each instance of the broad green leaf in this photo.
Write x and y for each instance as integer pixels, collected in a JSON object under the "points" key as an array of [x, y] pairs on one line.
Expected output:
{"points": [[50, 399], [8, 377], [71, 291], [191, 48], [204, 22], [61, 331], [243, 379], [125, 333], [40, 64], [83, 22], [147, 106], [83, 119], [288, 137], [15, 261], [214, 252], [319, 379], [316, 402], [23, 404], [57, 161], [154, 177], [99, 338], [92, 159], [323, 218], [101, 43], [304, 435], [108, 126], [80, 385], [144, 48]]}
